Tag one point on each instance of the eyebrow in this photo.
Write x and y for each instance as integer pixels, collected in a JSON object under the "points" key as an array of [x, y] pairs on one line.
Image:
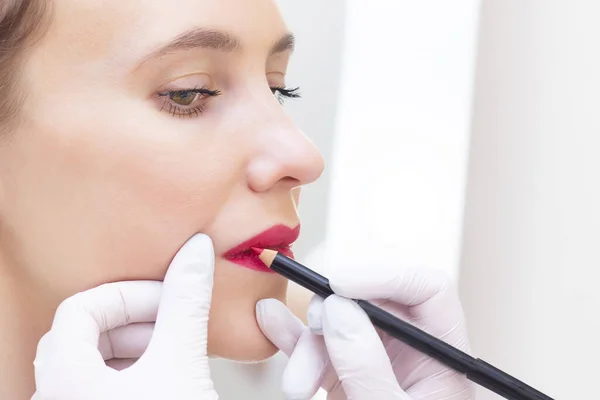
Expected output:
{"points": [[287, 42], [215, 40]]}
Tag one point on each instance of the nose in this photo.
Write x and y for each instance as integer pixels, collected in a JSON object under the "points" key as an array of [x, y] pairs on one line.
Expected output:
{"points": [[285, 158]]}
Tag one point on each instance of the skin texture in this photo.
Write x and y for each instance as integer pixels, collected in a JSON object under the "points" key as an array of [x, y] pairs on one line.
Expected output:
{"points": [[100, 183]]}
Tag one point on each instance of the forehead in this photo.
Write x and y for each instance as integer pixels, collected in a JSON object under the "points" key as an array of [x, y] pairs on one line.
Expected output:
{"points": [[128, 29]]}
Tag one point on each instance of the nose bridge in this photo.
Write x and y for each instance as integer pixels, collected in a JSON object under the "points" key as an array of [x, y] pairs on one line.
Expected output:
{"points": [[285, 155], [286, 144]]}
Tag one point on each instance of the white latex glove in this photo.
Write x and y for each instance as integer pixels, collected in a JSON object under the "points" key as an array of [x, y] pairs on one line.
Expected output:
{"points": [[345, 355], [115, 322]]}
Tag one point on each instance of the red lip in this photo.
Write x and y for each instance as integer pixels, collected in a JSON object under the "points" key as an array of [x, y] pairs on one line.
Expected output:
{"points": [[278, 238]]}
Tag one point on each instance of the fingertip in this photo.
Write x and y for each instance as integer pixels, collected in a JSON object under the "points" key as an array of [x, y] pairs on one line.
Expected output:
{"points": [[279, 324], [202, 240], [266, 307], [201, 245], [293, 391], [195, 257]]}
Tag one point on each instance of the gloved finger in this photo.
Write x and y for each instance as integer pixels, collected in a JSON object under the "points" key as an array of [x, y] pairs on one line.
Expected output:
{"points": [[70, 348], [446, 385], [181, 328], [308, 358], [69, 371], [314, 315], [357, 353], [279, 325], [79, 320], [119, 364], [128, 341], [337, 393], [306, 367], [430, 298], [407, 286]]}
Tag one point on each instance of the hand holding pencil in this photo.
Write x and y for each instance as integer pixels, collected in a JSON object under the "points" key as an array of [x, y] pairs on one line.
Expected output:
{"points": [[419, 351], [343, 353]]}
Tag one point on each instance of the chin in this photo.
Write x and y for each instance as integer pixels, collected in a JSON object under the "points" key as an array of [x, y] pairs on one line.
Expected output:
{"points": [[238, 339], [233, 332], [262, 351]]}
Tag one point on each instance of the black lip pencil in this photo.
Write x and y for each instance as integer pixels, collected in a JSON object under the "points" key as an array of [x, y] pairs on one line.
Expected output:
{"points": [[475, 369]]}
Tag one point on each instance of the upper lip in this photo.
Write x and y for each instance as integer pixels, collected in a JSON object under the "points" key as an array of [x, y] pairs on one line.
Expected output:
{"points": [[276, 238]]}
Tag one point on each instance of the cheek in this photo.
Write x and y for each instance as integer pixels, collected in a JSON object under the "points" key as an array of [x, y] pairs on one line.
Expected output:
{"points": [[88, 209], [156, 202]]}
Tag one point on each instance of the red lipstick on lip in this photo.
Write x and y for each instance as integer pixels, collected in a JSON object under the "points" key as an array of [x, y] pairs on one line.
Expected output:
{"points": [[278, 238]]}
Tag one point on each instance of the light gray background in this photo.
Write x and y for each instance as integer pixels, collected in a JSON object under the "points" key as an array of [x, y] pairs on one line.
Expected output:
{"points": [[315, 67]]}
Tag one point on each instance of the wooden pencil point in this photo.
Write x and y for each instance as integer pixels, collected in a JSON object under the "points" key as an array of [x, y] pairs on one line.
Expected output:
{"points": [[267, 256]]}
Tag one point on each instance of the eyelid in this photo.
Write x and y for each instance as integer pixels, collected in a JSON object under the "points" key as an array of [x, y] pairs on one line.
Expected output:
{"points": [[203, 91], [276, 79], [185, 82]]}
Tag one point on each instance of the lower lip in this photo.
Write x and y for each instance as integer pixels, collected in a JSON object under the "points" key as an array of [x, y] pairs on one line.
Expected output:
{"points": [[249, 259]]}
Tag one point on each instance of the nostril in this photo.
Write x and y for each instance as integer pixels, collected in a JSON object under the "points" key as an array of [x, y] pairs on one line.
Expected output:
{"points": [[290, 181]]}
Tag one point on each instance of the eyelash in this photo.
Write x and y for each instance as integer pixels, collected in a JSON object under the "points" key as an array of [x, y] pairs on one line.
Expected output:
{"points": [[176, 110], [282, 93]]}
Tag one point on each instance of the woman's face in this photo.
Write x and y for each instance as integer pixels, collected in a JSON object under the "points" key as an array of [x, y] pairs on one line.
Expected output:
{"points": [[145, 123]]}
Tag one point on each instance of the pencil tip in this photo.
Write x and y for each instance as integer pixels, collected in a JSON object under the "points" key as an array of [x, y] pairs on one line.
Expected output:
{"points": [[257, 250]]}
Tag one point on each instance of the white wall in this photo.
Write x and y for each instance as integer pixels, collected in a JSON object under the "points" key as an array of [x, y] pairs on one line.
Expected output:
{"points": [[401, 139], [531, 258], [400, 149]]}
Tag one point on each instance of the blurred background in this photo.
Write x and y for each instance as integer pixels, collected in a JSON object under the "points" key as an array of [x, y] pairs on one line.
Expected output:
{"points": [[459, 135]]}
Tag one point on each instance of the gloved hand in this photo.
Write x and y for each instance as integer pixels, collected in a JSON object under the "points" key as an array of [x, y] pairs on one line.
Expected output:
{"points": [[345, 355], [114, 324]]}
